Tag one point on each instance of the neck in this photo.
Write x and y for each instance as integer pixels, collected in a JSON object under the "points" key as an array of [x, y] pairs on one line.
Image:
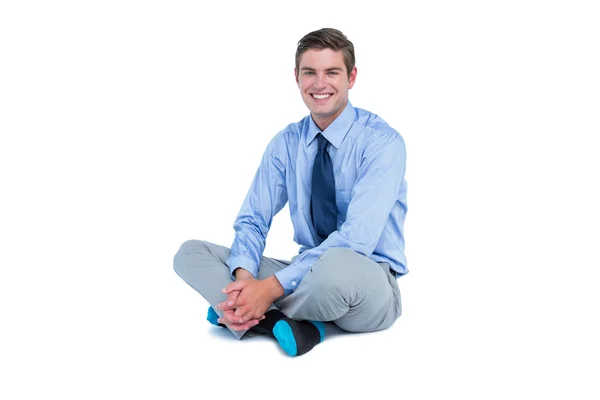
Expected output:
{"points": [[325, 121]]}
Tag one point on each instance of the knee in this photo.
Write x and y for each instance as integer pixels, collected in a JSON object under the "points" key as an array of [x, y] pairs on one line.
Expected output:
{"points": [[188, 248], [192, 246], [349, 325]]}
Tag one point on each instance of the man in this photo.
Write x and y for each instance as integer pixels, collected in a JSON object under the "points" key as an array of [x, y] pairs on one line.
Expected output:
{"points": [[342, 170]]}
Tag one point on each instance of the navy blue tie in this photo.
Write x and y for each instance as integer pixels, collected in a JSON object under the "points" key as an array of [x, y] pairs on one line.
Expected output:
{"points": [[322, 198]]}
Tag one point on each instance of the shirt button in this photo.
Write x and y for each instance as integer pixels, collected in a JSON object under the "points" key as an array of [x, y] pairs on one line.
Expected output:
{"points": [[293, 283]]}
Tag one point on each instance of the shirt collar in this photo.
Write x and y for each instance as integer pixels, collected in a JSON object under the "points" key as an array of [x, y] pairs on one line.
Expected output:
{"points": [[336, 131]]}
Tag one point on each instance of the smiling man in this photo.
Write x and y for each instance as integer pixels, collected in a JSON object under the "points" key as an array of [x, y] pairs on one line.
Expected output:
{"points": [[342, 170], [324, 82]]}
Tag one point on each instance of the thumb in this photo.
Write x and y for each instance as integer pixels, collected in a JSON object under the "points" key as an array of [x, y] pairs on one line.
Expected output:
{"points": [[237, 285]]}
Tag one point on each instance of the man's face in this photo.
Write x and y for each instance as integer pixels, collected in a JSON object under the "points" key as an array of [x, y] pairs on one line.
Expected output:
{"points": [[324, 83]]}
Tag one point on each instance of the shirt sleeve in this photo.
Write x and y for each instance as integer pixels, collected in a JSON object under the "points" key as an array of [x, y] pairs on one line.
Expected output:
{"points": [[376, 190], [265, 198]]}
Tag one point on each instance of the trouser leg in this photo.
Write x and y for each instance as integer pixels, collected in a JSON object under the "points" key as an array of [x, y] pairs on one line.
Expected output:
{"points": [[203, 265], [353, 291]]}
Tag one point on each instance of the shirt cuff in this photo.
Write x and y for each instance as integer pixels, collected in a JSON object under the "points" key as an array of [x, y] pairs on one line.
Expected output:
{"points": [[289, 277], [246, 263]]}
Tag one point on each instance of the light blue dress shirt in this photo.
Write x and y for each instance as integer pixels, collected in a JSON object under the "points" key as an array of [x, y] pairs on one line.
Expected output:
{"points": [[369, 162]]}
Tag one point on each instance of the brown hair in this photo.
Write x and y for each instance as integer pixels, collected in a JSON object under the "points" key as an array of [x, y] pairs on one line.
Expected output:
{"points": [[327, 38]]}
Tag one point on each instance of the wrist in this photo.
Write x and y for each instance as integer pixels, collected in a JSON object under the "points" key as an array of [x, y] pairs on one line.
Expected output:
{"points": [[241, 274], [275, 288]]}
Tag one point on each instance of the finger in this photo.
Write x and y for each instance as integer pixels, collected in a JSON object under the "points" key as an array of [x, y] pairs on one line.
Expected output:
{"points": [[245, 326], [246, 312], [230, 303], [223, 306], [243, 313], [240, 327], [237, 285], [230, 318], [236, 322], [232, 298], [235, 319]]}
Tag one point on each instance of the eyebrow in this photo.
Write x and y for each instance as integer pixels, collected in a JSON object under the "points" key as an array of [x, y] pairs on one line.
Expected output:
{"points": [[328, 69]]}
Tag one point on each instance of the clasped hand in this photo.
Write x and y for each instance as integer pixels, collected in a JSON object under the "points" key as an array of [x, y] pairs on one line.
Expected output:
{"points": [[247, 301]]}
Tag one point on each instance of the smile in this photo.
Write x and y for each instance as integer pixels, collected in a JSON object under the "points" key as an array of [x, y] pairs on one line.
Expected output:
{"points": [[321, 96]]}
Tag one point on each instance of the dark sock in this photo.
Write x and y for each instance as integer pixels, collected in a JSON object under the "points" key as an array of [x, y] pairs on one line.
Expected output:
{"points": [[266, 326], [295, 337]]}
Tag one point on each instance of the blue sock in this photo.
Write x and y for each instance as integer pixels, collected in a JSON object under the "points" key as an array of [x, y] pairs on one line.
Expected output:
{"points": [[212, 317], [294, 336], [298, 337]]}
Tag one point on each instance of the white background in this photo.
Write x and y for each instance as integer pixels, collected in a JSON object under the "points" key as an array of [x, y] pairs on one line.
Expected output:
{"points": [[128, 127]]}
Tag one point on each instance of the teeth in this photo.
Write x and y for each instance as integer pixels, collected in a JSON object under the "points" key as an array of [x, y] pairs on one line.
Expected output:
{"points": [[321, 96]]}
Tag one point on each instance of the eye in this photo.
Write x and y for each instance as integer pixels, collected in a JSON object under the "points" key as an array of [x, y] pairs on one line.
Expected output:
{"points": [[309, 73], [332, 73]]}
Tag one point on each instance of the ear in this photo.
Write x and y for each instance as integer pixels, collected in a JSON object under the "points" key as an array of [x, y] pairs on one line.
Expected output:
{"points": [[352, 78], [296, 76]]}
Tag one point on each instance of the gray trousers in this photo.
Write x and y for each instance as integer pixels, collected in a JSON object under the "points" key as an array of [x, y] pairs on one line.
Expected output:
{"points": [[343, 287]]}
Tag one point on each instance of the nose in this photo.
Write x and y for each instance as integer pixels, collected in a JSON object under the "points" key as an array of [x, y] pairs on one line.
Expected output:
{"points": [[319, 82]]}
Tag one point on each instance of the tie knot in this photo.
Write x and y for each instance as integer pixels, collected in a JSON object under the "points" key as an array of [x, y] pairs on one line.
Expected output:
{"points": [[323, 142]]}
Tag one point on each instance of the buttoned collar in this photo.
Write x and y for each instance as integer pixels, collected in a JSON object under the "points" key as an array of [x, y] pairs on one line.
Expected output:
{"points": [[336, 131]]}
